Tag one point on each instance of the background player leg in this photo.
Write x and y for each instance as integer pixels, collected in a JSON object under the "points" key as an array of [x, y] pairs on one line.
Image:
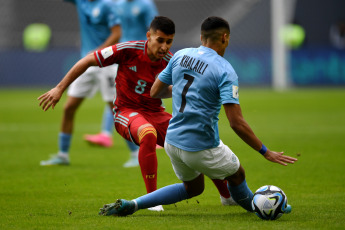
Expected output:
{"points": [[65, 135], [105, 138]]}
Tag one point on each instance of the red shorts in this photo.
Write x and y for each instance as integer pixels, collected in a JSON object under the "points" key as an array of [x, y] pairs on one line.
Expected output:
{"points": [[127, 122]]}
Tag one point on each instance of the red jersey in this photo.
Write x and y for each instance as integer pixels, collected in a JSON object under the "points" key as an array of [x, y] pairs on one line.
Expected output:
{"points": [[135, 76]]}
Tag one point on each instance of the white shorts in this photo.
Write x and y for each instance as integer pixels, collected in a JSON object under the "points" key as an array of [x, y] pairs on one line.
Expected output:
{"points": [[94, 79], [216, 163]]}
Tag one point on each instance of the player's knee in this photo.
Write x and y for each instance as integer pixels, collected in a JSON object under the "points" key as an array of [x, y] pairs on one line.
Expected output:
{"points": [[148, 136], [237, 178], [195, 187], [195, 190]]}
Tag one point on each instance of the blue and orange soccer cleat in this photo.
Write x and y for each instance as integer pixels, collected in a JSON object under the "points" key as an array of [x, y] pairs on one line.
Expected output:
{"points": [[120, 208]]}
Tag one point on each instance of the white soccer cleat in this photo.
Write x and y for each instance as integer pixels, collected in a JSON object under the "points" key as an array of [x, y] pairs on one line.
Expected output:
{"points": [[133, 162], [57, 159], [158, 208], [227, 201]]}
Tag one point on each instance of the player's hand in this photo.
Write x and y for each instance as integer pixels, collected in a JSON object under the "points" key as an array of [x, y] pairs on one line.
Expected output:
{"points": [[50, 99], [279, 158]]}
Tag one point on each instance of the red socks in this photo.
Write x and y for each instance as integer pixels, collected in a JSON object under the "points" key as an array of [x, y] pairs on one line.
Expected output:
{"points": [[222, 186], [148, 158]]}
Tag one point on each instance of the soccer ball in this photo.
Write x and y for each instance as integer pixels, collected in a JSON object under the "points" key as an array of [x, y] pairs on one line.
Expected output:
{"points": [[270, 202]]}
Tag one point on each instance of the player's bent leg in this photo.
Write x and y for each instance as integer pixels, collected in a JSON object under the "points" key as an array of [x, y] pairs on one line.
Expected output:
{"points": [[239, 189], [147, 138], [167, 195], [195, 187]]}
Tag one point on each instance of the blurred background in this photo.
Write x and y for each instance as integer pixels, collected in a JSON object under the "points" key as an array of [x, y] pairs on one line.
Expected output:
{"points": [[273, 42]]}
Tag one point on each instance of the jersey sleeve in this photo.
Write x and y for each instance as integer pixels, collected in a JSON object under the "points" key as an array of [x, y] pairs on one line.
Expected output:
{"points": [[228, 87], [112, 17], [166, 75], [108, 56]]}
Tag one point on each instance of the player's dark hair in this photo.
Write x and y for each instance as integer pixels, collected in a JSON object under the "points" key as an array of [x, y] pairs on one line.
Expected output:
{"points": [[212, 27], [164, 24]]}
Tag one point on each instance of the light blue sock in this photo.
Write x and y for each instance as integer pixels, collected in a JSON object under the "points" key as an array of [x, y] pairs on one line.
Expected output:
{"points": [[107, 121], [64, 142], [167, 195], [133, 147], [242, 195]]}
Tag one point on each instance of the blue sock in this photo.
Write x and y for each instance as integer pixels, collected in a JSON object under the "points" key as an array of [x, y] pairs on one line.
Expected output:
{"points": [[64, 142], [167, 195], [108, 121], [133, 147], [242, 195]]}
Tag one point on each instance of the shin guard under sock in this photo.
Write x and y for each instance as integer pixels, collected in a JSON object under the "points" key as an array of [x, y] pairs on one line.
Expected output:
{"points": [[148, 158]]}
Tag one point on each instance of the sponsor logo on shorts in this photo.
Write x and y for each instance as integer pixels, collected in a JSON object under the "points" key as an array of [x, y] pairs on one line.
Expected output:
{"points": [[133, 114], [234, 158]]}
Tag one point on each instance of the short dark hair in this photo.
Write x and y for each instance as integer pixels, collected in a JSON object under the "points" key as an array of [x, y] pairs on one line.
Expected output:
{"points": [[212, 26], [164, 24]]}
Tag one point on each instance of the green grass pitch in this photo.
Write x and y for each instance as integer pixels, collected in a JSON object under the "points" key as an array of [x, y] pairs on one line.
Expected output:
{"points": [[305, 123]]}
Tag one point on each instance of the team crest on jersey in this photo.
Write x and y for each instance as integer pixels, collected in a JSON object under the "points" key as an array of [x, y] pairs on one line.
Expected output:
{"points": [[107, 52], [235, 91], [133, 114]]}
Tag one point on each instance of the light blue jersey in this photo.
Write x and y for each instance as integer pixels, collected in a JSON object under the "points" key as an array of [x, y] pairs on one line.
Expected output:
{"points": [[96, 18], [202, 81], [136, 17]]}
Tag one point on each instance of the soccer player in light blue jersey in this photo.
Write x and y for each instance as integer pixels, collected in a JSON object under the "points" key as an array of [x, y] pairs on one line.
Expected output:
{"points": [[135, 17], [99, 28], [200, 80]]}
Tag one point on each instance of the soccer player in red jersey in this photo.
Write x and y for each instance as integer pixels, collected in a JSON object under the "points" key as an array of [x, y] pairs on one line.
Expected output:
{"points": [[138, 117]]}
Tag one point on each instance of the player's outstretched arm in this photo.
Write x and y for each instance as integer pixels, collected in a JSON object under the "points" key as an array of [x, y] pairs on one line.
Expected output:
{"points": [[52, 97], [243, 130], [279, 158]]}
